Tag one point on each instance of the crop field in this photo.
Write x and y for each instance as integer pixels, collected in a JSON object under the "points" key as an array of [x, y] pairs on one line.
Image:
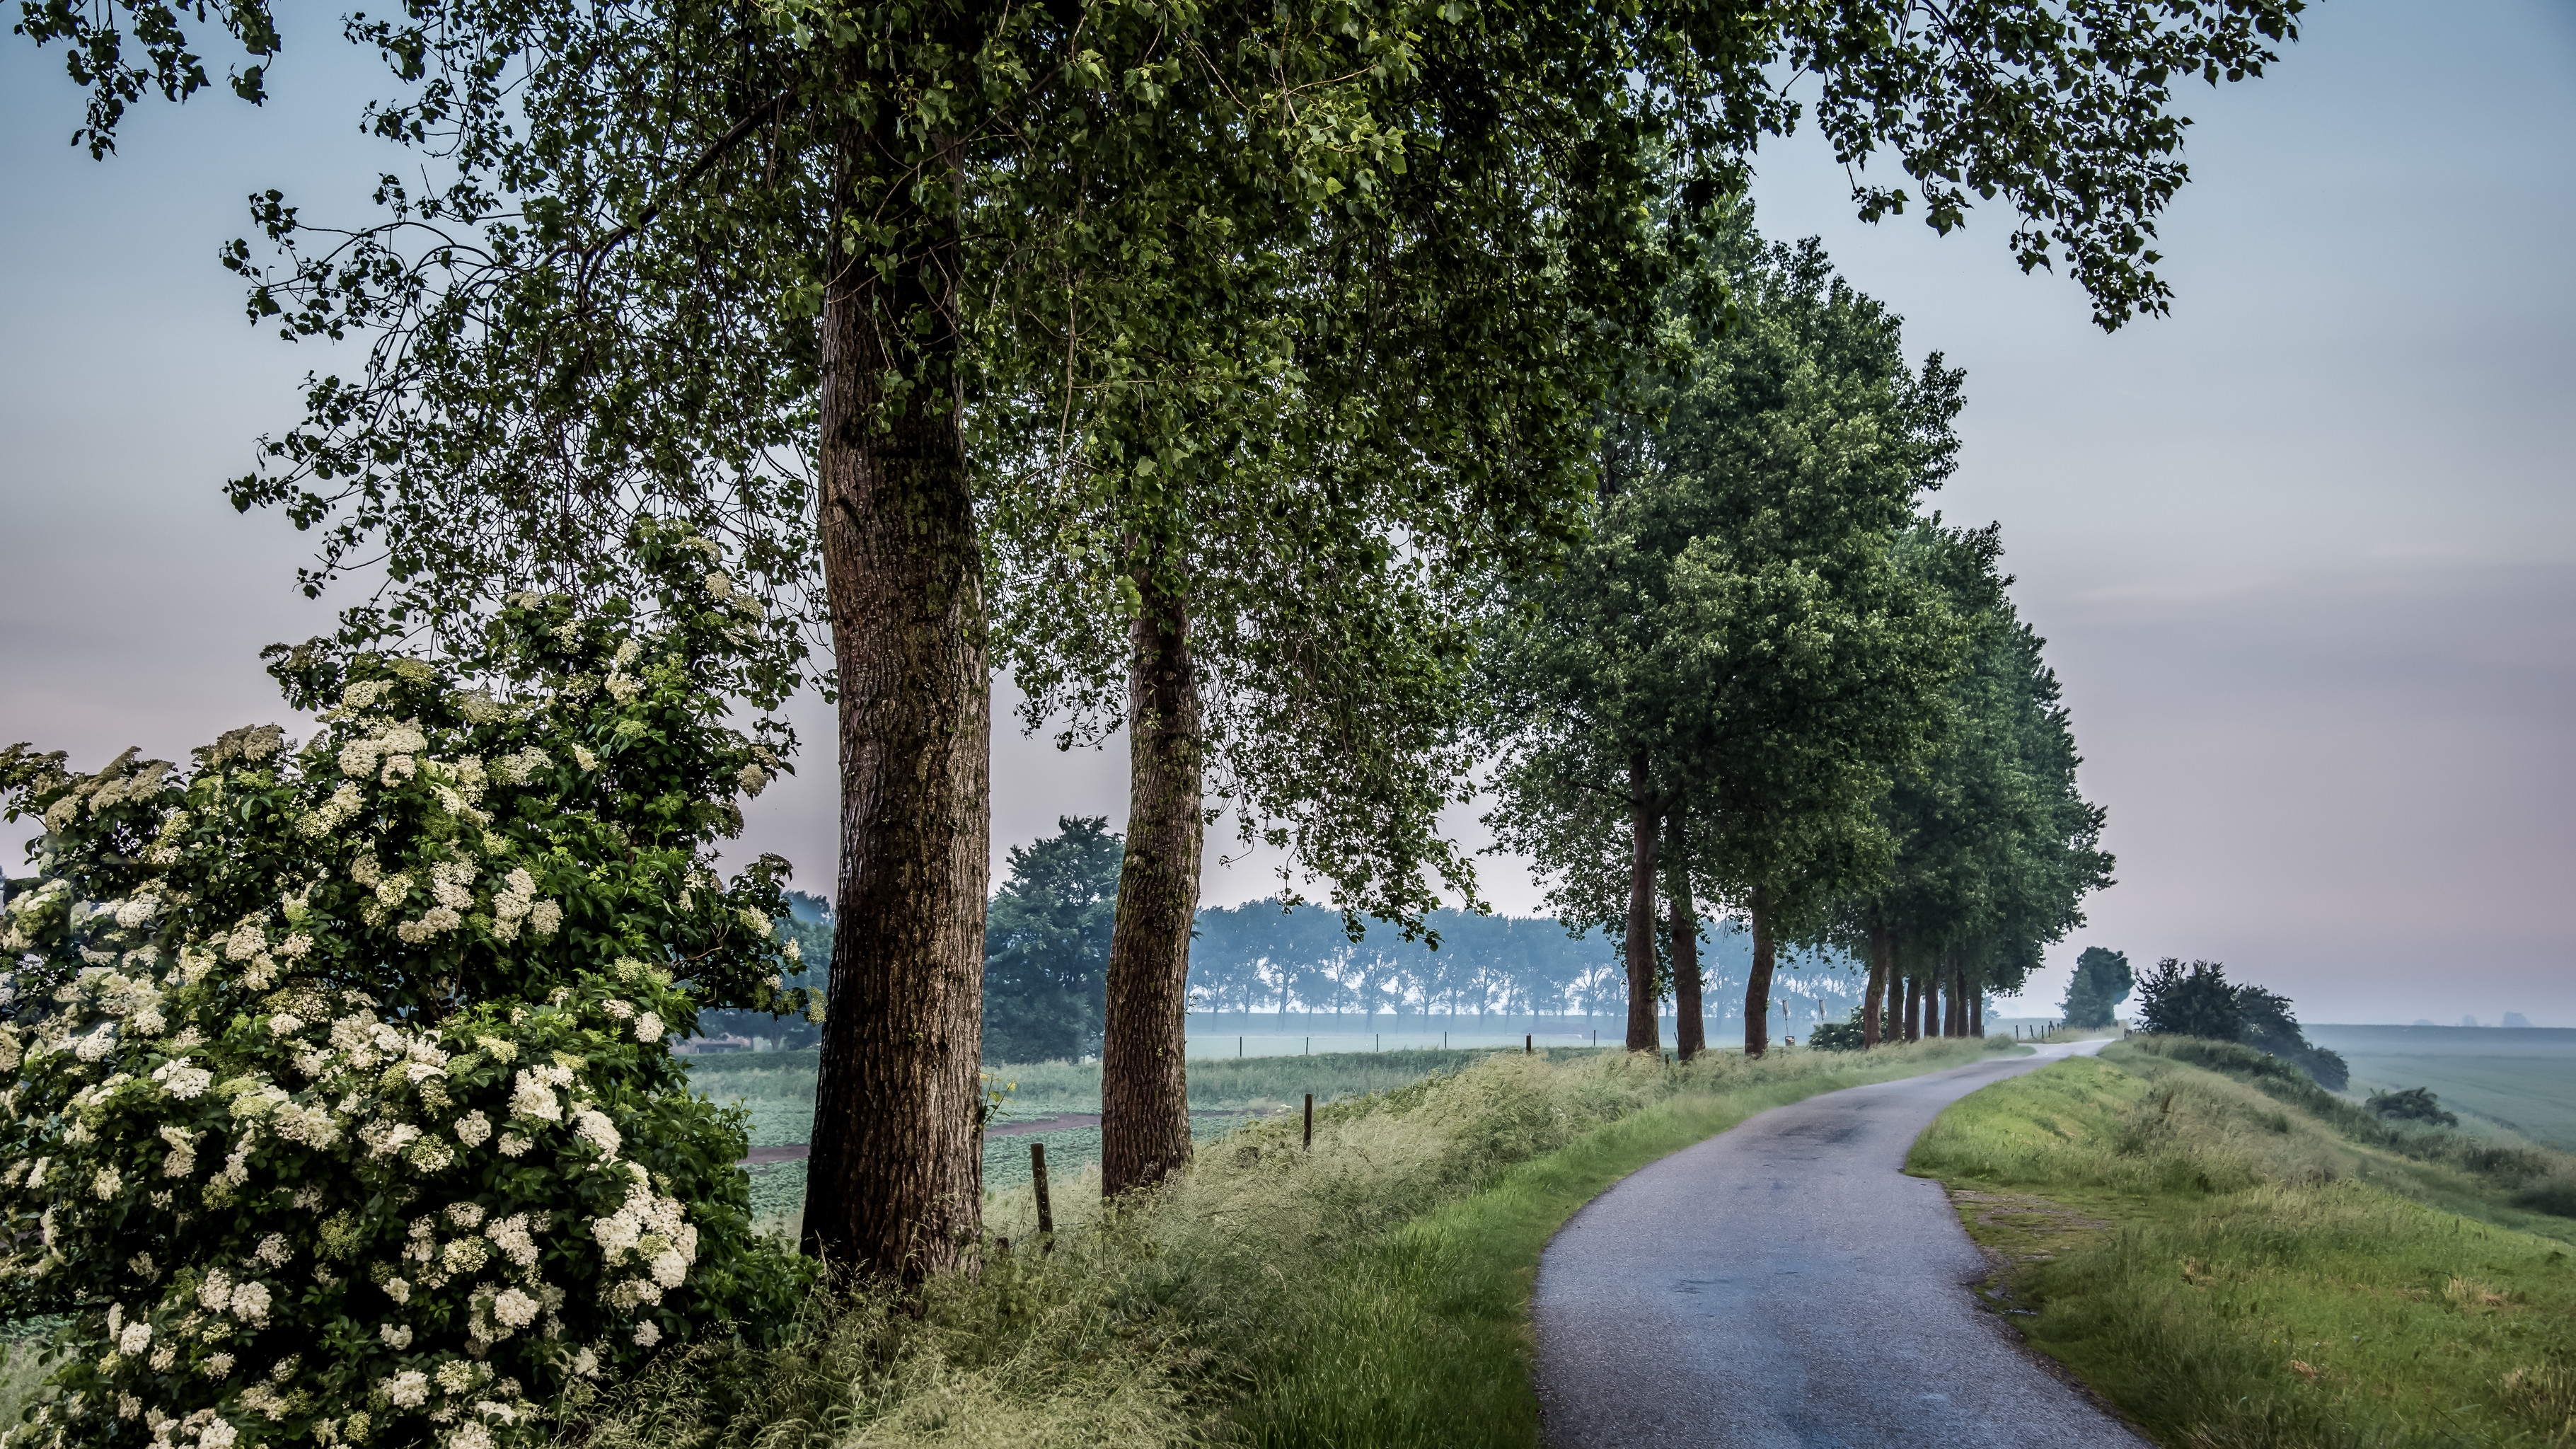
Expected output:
{"points": [[2520, 1079]]}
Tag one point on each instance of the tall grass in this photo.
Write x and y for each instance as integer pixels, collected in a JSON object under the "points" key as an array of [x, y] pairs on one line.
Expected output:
{"points": [[2231, 1268], [1371, 1291]]}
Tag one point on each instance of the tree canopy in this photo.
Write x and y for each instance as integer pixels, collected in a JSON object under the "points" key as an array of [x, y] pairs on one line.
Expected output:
{"points": [[800, 274], [2101, 982], [2198, 1000]]}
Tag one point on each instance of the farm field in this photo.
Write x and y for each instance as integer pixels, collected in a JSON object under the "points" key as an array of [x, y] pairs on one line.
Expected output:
{"points": [[2522, 1079]]}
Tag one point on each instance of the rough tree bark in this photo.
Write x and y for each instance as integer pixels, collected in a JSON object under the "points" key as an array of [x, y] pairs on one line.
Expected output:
{"points": [[1958, 998], [1144, 1080], [1645, 817], [895, 1184], [1882, 955], [1690, 1029], [1757, 986], [1913, 1010], [1976, 1012]]}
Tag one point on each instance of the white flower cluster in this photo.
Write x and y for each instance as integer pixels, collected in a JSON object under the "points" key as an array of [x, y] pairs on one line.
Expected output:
{"points": [[650, 1232]]}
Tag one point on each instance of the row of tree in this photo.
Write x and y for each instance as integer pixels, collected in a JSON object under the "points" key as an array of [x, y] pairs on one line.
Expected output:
{"points": [[1231, 373], [1768, 683]]}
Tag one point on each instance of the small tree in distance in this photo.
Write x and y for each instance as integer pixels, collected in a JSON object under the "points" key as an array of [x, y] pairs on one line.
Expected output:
{"points": [[1046, 945], [2102, 981], [2174, 1001]]}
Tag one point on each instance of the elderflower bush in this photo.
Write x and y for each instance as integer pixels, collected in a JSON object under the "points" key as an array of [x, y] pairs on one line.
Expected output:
{"points": [[339, 1104]]}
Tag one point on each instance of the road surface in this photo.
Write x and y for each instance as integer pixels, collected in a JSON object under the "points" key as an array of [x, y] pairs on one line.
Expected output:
{"points": [[1784, 1284]]}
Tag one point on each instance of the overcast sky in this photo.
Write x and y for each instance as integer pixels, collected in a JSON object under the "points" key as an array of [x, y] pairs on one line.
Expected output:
{"points": [[2305, 551]]}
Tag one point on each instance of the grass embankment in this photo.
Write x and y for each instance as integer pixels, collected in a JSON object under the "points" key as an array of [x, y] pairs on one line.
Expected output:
{"points": [[2234, 1258], [1371, 1292]]}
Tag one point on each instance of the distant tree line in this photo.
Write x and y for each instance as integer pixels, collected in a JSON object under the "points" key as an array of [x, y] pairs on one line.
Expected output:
{"points": [[1046, 955]]}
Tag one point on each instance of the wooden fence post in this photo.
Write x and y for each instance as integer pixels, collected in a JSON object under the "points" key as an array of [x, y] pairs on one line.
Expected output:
{"points": [[1310, 1121], [1046, 1210]]}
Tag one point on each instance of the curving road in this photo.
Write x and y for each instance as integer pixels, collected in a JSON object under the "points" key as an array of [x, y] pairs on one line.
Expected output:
{"points": [[1783, 1283]]}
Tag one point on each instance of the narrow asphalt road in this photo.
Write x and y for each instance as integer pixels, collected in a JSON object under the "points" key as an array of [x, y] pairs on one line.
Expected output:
{"points": [[1783, 1283]]}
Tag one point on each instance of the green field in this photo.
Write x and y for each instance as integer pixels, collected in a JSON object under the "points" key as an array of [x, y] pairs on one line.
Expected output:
{"points": [[2234, 1258], [777, 1090], [2521, 1079]]}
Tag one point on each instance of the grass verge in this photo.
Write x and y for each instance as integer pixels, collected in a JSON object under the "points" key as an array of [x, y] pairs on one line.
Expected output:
{"points": [[1372, 1292], [2233, 1258]]}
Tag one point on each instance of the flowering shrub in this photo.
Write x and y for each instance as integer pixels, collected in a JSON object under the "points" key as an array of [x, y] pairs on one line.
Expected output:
{"points": [[341, 1109]]}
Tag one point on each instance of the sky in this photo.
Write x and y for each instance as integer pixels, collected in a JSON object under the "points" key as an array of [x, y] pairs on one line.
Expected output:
{"points": [[2305, 551]]}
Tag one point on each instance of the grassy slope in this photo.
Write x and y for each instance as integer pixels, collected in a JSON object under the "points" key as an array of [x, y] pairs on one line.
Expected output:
{"points": [[1371, 1292], [2232, 1268]]}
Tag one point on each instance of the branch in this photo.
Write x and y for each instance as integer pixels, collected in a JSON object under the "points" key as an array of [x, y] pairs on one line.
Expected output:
{"points": [[714, 152]]}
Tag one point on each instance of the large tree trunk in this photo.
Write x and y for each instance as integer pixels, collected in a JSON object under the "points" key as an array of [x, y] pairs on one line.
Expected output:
{"points": [[1144, 1083], [1913, 1010], [1976, 1011], [895, 1184], [1882, 955], [1645, 813], [1958, 998], [1757, 986], [1690, 1029]]}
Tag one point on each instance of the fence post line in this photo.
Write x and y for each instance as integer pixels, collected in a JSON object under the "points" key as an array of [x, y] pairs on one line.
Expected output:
{"points": [[1046, 1210], [1310, 1121]]}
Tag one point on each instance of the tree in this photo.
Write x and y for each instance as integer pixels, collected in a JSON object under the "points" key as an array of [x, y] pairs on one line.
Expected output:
{"points": [[2101, 982], [1735, 659], [2269, 1025], [1046, 945], [2173, 1001], [774, 270], [340, 1090]]}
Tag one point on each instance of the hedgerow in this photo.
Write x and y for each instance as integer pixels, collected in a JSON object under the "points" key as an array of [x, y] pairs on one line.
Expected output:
{"points": [[340, 1107]]}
